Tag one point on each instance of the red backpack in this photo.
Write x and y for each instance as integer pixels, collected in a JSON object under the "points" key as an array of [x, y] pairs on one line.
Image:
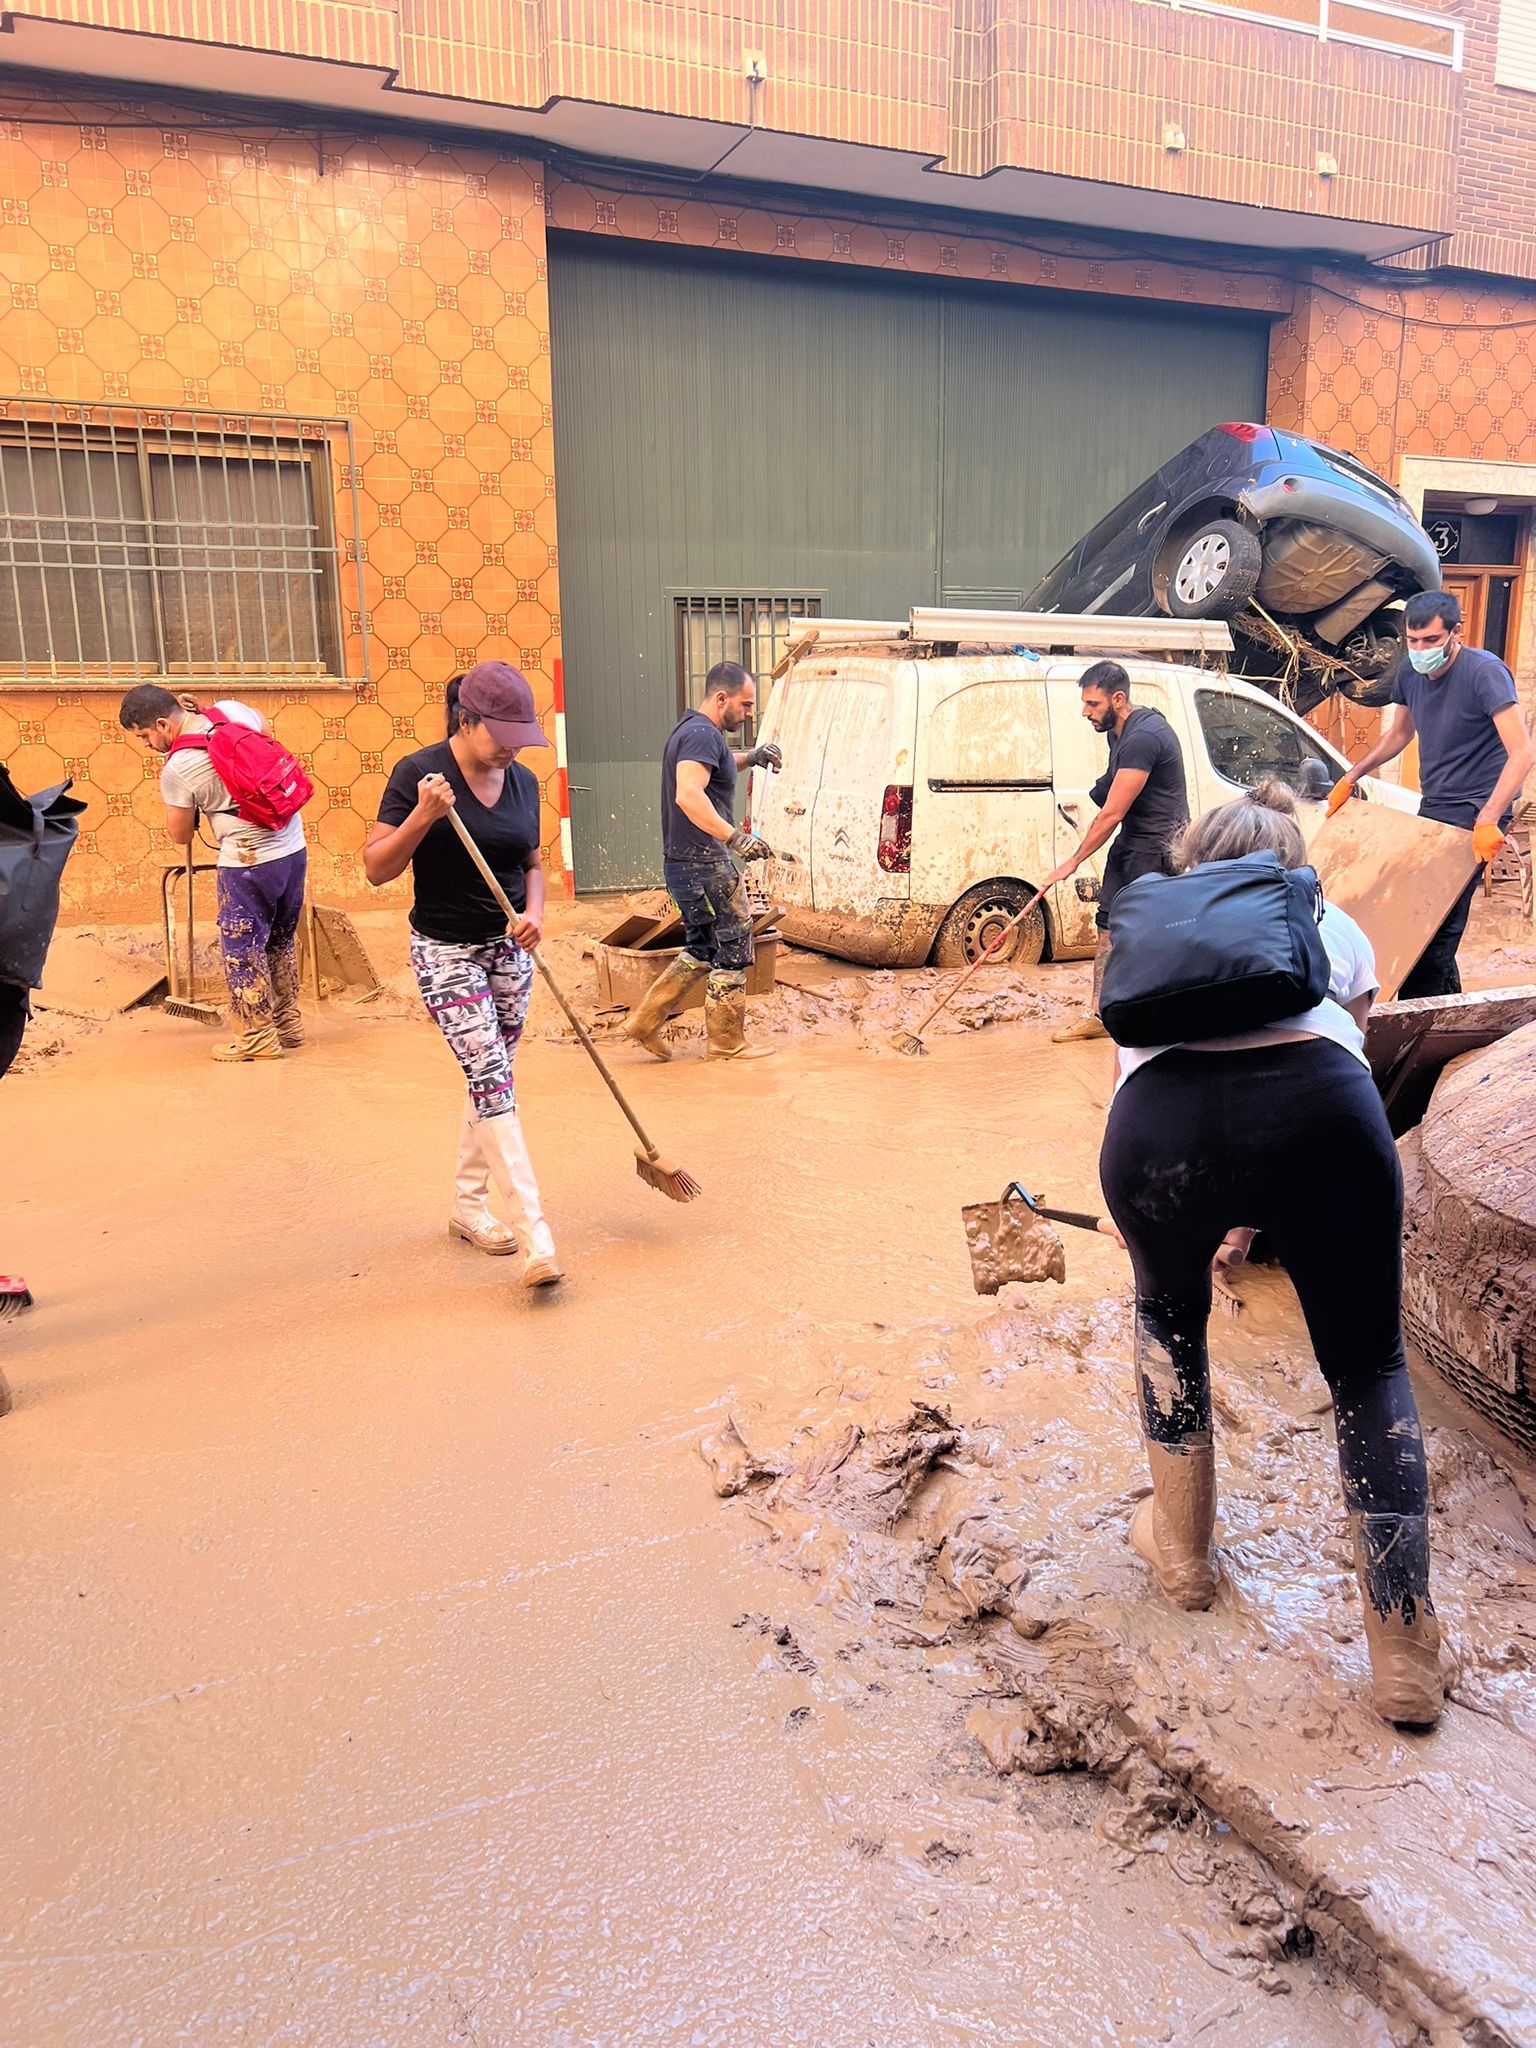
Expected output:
{"points": [[266, 784]]}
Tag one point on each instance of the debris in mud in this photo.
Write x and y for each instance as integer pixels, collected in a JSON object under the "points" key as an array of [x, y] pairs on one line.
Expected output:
{"points": [[869, 1477], [733, 1466]]}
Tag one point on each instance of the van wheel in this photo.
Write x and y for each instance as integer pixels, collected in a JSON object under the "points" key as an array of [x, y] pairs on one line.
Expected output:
{"points": [[976, 921], [1216, 571]]}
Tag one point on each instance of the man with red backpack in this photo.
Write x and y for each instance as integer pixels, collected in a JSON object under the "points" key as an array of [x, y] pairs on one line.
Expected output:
{"points": [[223, 761]]}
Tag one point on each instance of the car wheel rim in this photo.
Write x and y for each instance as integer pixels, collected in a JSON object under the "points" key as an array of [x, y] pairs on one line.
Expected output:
{"points": [[983, 926], [1204, 569]]}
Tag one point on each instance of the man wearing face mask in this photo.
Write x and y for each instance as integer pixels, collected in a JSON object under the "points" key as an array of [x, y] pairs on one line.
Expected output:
{"points": [[1474, 753], [1142, 803], [698, 837]]}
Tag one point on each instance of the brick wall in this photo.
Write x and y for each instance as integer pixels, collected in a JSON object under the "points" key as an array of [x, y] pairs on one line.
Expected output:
{"points": [[396, 284], [1076, 88]]}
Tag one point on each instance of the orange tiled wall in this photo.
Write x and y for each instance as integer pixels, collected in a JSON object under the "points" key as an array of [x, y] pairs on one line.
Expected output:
{"points": [[395, 284]]}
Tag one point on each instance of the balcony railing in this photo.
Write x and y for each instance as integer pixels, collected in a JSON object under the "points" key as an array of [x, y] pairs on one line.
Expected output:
{"points": [[1366, 24]]}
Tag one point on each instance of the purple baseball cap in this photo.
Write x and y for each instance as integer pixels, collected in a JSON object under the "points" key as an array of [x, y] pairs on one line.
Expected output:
{"points": [[500, 698]]}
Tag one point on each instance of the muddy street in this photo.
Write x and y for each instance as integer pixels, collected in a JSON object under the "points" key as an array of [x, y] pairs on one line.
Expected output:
{"points": [[738, 1644]]}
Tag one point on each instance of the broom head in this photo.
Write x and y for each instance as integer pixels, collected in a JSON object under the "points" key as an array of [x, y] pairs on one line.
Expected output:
{"points": [[15, 1297], [667, 1179]]}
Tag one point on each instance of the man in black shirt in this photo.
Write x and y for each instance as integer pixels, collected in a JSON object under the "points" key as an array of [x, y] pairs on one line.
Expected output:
{"points": [[1141, 798], [698, 836]]}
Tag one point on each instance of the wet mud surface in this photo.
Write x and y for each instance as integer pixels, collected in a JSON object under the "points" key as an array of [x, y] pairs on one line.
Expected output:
{"points": [[740, 1645]]}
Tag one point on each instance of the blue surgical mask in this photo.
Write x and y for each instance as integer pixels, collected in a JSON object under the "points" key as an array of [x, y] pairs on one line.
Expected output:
{"points": [[1428, 659]]}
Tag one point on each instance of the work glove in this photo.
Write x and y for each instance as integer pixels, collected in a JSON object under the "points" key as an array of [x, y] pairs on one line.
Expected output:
{"points": [[1340, 794], [748, 847], [768, 756], [1486, 841]]}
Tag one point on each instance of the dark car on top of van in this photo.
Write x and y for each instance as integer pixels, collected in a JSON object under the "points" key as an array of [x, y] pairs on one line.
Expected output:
{"points": [[1327, 547]]}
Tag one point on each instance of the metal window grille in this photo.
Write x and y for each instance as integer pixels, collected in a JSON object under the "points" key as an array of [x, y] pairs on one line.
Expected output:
{"points": [[753, 627], [178, 544]]}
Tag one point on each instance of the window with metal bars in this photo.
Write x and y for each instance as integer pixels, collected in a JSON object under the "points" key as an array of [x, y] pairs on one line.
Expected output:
{"points": [[140, 544], [753, 627]]}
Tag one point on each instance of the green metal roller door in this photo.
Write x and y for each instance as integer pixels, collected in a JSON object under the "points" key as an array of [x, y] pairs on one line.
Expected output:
{"points": [[735, 439]]}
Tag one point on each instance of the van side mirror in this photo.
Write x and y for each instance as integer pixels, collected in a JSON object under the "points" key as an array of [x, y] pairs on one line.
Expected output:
{"points": [[1314, 783]]}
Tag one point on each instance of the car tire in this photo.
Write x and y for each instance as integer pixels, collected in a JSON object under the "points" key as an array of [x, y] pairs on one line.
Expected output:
{"points": [[1215, 571], [1373, 650], [974, 921]]}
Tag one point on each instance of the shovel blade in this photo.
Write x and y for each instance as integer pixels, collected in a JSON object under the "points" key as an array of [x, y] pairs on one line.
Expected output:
{"points": [[1007, 1241]]}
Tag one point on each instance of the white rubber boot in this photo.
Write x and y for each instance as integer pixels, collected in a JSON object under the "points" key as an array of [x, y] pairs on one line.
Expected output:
{"points": [[506, 1153], [473, 1221]]}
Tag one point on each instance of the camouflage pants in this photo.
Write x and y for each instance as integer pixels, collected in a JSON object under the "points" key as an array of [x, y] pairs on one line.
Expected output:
{"points": [[259, 911]]}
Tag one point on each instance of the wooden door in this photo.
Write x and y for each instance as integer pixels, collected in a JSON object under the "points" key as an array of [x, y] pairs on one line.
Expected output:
{"points": [[1470, 589]]}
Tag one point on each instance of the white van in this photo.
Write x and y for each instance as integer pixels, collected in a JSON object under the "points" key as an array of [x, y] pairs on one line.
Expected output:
{"points": [[923, 797]]}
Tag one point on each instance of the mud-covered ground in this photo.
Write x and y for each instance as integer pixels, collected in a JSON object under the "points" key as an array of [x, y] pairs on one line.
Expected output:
{"points": [[738, 1646]]}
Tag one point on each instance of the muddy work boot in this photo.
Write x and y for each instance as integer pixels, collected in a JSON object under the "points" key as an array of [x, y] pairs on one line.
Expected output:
{"points": [[1088, 1026], [473, 1220], [259, 1043], [1172, 1529], [644, 1022], [725, 1019], [1401, 1632]]}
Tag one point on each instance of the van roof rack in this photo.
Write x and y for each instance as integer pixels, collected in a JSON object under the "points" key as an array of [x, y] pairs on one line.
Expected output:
{"points": [[846, 631], [1081, 632]]}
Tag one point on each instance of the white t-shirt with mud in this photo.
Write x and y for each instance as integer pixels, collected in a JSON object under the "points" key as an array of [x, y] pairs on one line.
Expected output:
{"points": [[190, 778], [1351, 973]]}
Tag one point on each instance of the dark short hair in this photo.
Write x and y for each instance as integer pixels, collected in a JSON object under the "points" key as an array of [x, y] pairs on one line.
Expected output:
{"points": [[728, 676], [144, 704], [455, 716], [1107, 676], [1429, 605]]}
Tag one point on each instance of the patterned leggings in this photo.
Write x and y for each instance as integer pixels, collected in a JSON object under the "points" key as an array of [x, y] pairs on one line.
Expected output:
{"points": [[477, 996]]}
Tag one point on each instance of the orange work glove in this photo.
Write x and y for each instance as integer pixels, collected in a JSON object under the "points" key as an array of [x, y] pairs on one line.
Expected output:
{"points": [[1340, 794], [1486, 841]]}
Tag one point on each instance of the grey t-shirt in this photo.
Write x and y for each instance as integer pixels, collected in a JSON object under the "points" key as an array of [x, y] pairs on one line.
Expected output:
{"points": [[189, 777], [1461, 755]]}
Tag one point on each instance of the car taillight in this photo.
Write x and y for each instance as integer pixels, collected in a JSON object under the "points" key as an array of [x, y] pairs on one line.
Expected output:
{"points": [[1240, 430], [894, 851]]}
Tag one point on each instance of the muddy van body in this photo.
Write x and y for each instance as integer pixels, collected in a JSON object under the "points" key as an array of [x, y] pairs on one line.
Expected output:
{"points": [[925, 794]]}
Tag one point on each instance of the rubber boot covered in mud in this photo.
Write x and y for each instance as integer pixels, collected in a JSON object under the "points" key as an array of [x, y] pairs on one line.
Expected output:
{"points": [[506, 1153], [725, 1018], [644, 1022], [1401, 1632], [1173, 1528], [473, 1220], [1090, 1025]]}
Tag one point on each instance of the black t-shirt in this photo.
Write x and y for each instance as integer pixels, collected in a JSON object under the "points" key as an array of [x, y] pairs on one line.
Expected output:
{"points": [[695, 738], [452, 902], [1148, 741]]}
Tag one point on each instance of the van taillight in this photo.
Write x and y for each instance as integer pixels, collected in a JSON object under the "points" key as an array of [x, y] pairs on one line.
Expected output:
{"points": [[894, 851]]}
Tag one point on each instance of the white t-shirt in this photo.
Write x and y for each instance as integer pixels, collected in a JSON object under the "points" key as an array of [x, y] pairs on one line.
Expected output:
{"points": [[190, 778], [1352, 973]]}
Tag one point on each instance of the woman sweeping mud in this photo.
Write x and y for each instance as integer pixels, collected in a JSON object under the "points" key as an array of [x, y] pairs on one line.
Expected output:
{"points": [[1281, 1126], [474, 975]]}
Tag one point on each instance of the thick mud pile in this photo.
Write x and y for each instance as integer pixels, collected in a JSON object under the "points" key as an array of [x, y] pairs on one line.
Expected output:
{"points": [[964, 1524]]}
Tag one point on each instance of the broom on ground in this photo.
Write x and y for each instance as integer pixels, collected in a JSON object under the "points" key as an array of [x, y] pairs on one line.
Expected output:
{"points": [[656, 1172]]}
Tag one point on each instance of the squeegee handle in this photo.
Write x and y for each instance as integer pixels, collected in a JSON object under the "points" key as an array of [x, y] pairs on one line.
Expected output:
{"points": [[1078, 1219], [955, 987], [550, 982]]}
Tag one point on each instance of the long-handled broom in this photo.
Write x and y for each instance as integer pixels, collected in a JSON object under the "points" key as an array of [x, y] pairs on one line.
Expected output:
{"points": [[656, 1172], [912, 1041]]}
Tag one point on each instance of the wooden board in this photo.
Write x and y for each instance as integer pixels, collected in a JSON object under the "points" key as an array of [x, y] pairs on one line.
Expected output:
{"points": [[84, 977], [1397, 875], [343, 961], [1409, 1044]]}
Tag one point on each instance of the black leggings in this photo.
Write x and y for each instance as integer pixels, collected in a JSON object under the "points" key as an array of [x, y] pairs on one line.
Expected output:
{"points": [[1293, 1140]]}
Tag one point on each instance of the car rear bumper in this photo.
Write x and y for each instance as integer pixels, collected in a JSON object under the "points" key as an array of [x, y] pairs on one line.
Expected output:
{"points": [[1346, 508]]}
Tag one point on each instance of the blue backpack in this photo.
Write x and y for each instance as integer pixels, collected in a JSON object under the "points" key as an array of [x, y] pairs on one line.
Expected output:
{"points": [[1221, 949]]}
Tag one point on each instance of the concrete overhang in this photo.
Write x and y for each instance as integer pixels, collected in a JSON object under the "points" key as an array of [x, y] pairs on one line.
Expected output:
{"points": [[678, 146]]}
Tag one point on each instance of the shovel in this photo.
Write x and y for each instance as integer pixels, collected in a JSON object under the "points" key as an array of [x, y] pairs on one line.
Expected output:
{"points": [[1012, 1238], [911, 1042]]}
